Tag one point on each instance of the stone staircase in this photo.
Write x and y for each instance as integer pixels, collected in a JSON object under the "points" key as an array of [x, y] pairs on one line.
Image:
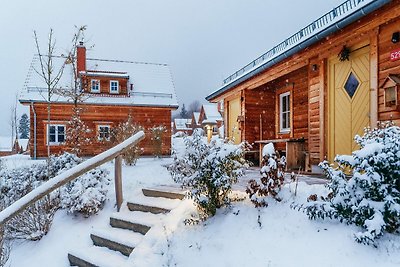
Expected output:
{"points": [[113, 244]]}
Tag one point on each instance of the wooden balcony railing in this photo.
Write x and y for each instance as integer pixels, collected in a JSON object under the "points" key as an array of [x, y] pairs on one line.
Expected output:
{"points": [[71, 174]]}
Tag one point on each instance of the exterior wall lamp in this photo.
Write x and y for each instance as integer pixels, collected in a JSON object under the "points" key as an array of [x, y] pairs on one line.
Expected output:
{"points": [[395, 37]]}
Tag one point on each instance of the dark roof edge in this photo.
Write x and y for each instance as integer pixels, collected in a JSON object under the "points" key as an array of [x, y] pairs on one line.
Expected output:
{"points": [[365, 10]]}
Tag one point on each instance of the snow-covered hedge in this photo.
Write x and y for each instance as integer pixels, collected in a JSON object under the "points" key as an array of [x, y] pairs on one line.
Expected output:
{"points": [[85, 194], [209, 170], [365, 186], [272, 172]]}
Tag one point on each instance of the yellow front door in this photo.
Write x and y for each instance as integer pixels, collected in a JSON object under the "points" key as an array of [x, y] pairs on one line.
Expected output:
{"points": [[349, 101], [234, 110]]}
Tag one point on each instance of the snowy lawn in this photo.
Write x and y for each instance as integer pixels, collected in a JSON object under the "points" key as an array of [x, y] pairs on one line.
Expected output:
{"points": [[234, 237]]}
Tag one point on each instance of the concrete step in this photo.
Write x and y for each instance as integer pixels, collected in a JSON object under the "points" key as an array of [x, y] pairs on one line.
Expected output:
{"points": [[167, 192], [96, 257], [146, 208], [133, 226]]}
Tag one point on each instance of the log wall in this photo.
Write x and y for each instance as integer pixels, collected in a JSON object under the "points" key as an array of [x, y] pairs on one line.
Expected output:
{"points": [[94, 115]]}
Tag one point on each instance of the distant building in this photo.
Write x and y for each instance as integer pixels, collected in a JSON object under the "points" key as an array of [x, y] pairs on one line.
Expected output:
{"points": [[115, 89], [182, 125], [210, 116], [11, 147]]}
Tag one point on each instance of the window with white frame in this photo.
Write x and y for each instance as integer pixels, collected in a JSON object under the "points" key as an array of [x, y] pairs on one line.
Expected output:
{"points": [[114, 87], [56, 134], [95, 86], [104, 132], [284, 112]]}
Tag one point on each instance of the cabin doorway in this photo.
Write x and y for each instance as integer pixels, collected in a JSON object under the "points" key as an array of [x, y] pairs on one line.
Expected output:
{"points": [[234, 111], [349, 101]]}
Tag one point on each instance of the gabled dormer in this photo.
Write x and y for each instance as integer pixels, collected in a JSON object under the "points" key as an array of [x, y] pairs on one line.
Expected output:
{"points": [[101, 82]]}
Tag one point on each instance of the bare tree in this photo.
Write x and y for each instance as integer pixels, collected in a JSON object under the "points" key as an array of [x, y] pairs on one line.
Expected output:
{"points": [[13, 122], [76, 91], [48, 72], [195, 106]]}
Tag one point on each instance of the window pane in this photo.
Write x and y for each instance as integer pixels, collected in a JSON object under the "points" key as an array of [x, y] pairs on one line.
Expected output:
{"points": [[52, 138], [288, 120], [61, 137], [284, 103], [52, 129]]}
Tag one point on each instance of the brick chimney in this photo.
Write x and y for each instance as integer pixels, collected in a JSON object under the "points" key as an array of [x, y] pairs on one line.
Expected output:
{"points": [[80, 57]]}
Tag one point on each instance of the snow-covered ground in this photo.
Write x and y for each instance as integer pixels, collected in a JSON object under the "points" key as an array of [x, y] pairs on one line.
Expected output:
{"points": [[237, 236]]}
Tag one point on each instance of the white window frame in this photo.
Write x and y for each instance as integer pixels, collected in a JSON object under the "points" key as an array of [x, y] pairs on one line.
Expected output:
{"points": [[282, 113], [111, 90], [99, 132], [98, 85], [56, 141]]}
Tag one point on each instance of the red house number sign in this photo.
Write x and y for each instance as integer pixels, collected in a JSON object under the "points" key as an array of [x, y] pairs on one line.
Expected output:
{"points": [[395, 55]]}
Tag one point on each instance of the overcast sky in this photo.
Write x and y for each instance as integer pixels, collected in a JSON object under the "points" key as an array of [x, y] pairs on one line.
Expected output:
{"points": [[202, 41]]}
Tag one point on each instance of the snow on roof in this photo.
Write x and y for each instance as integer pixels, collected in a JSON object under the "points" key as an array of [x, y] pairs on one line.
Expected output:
{"points": [[181, 124], [196, 116], [5, 143], [211, 113], [152, 83], [299, 40]]}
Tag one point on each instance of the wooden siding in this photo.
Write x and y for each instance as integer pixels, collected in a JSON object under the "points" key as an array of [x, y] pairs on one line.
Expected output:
{"points": [[310, 102], [264, 101], [94, 115], [105, 85], [386, 67]]}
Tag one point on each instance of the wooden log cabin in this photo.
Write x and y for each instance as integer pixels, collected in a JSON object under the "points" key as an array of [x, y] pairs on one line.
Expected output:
{"points": [[312, 93], [113, 91]]}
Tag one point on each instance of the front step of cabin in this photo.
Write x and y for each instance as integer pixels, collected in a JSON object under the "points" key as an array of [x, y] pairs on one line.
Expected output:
{"points": [[113, 244]]}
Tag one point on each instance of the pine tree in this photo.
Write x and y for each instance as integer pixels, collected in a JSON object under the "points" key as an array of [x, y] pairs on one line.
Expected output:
{"points": [[77, 133], [184, 113], [23, 127]]}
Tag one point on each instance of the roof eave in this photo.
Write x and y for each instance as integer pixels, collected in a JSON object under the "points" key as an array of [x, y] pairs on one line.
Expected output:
{"points": [[365, 10]]}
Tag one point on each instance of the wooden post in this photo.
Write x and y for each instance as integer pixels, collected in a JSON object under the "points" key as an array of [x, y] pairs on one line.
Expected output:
{"points": [[118, 181], [209, 133]]}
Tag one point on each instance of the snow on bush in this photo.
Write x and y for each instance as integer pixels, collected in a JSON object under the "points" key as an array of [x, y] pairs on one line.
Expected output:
{"points": [[157, 133], [123, 131], [4, 249], [209, 170], [365, 186], [77, 133], [272, 172], [86, 195]]}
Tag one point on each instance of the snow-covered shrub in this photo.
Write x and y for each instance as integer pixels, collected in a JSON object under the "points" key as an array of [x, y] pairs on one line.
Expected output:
{"points": [[272, 172], [179, 134], [365, 186], [4, 249], [77, 133], [16, 183], [209, 170], [157, 133], [35, 221], [87, 193], [123, 131]]}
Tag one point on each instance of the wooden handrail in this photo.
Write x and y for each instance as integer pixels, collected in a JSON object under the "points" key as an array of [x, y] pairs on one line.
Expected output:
{"points": [[69, 175]]}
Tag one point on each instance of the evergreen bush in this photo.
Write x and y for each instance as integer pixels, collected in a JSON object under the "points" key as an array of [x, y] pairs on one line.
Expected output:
{"points": [[365, 186], [209, 170], [272, 172]]}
